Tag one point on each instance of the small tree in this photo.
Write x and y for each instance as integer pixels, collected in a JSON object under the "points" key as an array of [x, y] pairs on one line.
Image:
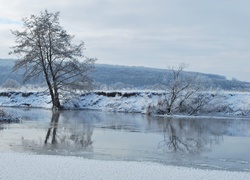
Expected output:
{"points": [[11, 83], [45, 48], [180, 87]]}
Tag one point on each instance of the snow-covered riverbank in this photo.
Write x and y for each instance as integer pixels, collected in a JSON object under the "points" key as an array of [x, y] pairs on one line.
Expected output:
{"points": [[29, 166], [223, 103]]}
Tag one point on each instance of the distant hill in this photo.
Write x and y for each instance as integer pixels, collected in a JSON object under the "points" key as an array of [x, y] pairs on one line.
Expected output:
{"points": [[6, 71], [143, 77], [116, 77]]}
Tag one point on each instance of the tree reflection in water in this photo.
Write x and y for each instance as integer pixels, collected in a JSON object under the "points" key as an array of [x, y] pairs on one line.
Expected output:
{"points": [[188, 136], [53, 127], [77, 135]]}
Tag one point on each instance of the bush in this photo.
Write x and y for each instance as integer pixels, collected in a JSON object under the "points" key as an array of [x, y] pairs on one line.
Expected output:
{"points": [[11, 83]]}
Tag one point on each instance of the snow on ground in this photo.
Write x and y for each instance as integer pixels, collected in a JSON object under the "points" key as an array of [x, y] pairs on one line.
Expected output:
{"points": [[223, 103], [29, 166], [25, 99], [119, 103]]}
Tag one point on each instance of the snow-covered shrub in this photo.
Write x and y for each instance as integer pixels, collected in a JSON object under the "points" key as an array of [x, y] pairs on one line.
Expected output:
{"points": [[11, 84], [183, 93], [159, 108], [195, 104]]}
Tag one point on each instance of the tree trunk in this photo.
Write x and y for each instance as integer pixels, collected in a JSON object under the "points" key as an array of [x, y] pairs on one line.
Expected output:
{"points": [[56, 102]]}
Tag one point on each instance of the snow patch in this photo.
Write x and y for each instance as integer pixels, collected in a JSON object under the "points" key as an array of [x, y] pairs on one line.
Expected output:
{"points": [[27, 166]]}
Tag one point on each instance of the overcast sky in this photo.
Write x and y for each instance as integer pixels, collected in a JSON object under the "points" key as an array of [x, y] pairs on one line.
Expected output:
{"points": [[210, 36]]}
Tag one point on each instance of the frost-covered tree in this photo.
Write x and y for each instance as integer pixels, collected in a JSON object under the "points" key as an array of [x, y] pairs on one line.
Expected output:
{"points": [[11, 83], [179, 88], [180, 91], [45, 48]]}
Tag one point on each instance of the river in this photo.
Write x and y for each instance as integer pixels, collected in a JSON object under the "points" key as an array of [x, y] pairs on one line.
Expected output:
{"points": [[207, 143]]}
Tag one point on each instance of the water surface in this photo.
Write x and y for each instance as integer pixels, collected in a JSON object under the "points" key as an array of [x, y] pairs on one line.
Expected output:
{"points": [[193, 142]]}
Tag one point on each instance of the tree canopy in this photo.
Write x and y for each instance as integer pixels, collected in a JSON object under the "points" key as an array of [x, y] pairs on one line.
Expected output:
{"points": [[45, 48]]}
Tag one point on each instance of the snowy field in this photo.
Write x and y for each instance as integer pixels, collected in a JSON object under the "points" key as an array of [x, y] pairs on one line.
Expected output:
{"points": [[221, 104], [29, 166]]}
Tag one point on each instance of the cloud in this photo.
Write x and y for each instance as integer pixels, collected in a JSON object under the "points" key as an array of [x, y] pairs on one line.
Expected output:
{"points": [[210, 36]]}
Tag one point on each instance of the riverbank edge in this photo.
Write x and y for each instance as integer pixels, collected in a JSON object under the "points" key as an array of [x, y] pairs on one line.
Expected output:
{"points": [[224, 104]]}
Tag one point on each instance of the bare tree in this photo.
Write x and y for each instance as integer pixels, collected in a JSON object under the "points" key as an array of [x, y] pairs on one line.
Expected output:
{"points": [[180, 87], [45, 48]]}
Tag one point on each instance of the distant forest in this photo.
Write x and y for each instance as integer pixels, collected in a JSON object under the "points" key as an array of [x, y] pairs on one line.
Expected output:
{"points": [[113, 77]]}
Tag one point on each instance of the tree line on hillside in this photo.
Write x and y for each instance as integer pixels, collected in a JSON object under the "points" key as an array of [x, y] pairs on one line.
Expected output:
{"points": [[108, 77]]}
